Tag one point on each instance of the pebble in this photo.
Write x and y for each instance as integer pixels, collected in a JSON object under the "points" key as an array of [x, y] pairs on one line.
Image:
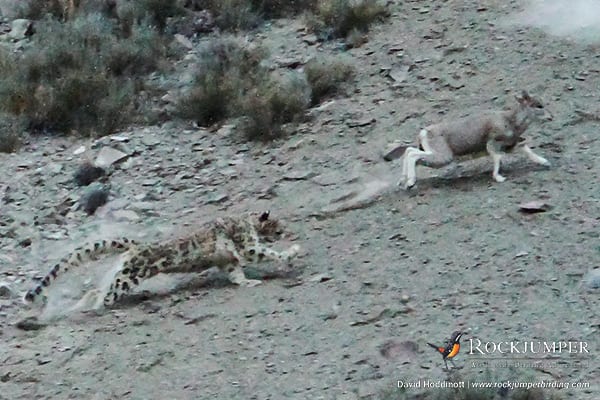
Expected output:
{"points": [[6, 292], [591, 280], [109, 156]]}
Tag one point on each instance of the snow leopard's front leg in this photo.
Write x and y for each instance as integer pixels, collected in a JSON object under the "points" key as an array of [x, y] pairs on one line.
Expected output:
{"points": [[236, 264]]}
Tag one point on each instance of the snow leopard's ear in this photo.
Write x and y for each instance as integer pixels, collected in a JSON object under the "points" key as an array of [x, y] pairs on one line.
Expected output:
{"points": [[264, 216]]}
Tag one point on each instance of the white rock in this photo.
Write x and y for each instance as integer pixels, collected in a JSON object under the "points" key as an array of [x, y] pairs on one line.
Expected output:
{"points": [[79, 150]]}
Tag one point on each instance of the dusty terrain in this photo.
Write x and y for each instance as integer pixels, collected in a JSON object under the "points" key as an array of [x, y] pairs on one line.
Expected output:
{"points": [[373, 284]]}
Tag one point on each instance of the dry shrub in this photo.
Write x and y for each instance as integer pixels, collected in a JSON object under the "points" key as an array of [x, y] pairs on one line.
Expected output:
{"points": [[338, 18], [78, 76], [327, 76], [281, 99], [226, 71]]}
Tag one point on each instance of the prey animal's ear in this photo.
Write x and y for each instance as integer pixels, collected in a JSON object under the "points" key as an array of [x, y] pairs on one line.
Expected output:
{"points": [[264, 216]]}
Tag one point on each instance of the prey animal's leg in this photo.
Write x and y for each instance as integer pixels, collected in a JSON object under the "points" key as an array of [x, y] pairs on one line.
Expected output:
{"points": [[534, 157], [436, 153], [493, 151], [411, 156]]}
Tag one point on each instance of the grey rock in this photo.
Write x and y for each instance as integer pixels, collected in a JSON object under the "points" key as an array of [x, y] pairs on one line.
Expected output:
{"points": [[109, 156], [20, 29], [591, 280], [96, 196], [87, 173], [6, 292]]}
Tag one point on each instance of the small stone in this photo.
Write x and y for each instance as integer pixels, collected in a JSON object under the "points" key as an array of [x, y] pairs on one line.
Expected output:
{"points": [[94, 197], [310, 39], [150, 140], [534, 206], [185, 42], [119, 138], [592, 279], [399, 74], [21, 28], [361, 122], [299, 175], [79, 150], [87, 173], [6, 292], [320, 278], [217, 198], [125, 215], [109, 156]]}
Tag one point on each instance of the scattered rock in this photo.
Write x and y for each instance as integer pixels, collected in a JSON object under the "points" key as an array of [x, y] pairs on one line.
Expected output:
{"points": [[299, 175], [521, 254], [125, 215], [20, 29], [79, 150], [399, 351], [310, 39], [217, 198], [185, 42], [534, 206], [96, 196], [592, 279], [6, 292], [320, 278], [361, 122], [150, 140], [291, 63], [87, 173], [30, 324], [399, 74], [108, 156]]}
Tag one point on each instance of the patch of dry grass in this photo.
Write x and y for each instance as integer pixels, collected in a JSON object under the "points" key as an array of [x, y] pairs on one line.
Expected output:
{"points": [[327, 76], [79, 76], [339, 18]]}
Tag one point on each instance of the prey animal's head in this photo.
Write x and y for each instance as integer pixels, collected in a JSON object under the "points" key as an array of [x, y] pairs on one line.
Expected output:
{"points": [[267, 227], [533, 106]]}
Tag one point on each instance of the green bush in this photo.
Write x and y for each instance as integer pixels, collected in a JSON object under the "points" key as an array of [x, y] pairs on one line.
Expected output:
{"points": [[78, 76], [327, 77]]}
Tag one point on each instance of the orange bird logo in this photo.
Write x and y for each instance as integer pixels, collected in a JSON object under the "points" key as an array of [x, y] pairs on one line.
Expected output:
{"points": [[451, 349]]}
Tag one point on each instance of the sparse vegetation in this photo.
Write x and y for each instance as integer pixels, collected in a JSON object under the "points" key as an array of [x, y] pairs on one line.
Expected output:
{"points": [[11, 128], [338, 18], [226, 71], [279, 100], [79, 76], [327, 77], [231, 82]]}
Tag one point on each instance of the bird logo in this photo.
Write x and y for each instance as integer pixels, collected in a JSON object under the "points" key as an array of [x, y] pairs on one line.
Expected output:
{"points": [[451, 349]]}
